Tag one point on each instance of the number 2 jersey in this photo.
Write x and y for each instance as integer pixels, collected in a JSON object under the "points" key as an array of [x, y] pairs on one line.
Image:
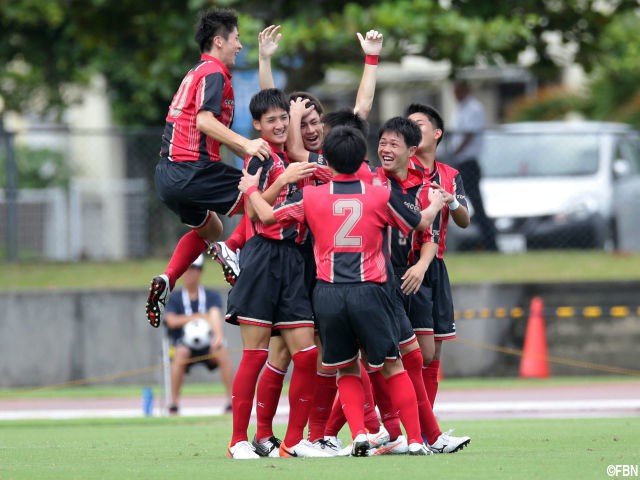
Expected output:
{"points": [[348, 218]]}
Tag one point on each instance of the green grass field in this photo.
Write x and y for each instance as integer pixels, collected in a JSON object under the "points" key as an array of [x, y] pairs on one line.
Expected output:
{"points": [[543, 266], [159, 448]]}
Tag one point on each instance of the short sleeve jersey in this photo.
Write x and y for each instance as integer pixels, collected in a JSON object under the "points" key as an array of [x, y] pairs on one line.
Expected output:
{"points": [[348, 218], [175, 304], [206, 87], [450, 179]]}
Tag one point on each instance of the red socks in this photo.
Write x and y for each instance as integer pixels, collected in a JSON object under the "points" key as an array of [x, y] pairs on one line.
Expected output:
{"points": [[371, 421], [389, 414], [267, 399], [430, 377], [336, 420], [244, 386], [412, 362], [239, 236], [187, 250], [301, 391], [352, 400], [404, 399], [325, 394]]}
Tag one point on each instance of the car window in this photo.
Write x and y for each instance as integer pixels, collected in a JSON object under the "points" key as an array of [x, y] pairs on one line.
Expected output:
{"points": [[629, 149], [539, 154]]}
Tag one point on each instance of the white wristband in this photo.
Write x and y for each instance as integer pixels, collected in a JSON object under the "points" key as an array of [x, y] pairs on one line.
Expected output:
{"points": [[454, 205]]}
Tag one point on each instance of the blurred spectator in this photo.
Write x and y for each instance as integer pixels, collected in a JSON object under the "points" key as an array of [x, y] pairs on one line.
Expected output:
{"points": [[187, 311], [469, 125]]}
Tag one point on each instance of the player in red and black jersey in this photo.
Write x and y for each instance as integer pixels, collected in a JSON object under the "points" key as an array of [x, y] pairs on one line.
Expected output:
{"points": [[435, 301], [398, 140], [270, 294], [190, 178], [348, 219]]}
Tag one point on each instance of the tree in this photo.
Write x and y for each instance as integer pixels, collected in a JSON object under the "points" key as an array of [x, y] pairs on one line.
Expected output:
{"points": [[144, 48]]}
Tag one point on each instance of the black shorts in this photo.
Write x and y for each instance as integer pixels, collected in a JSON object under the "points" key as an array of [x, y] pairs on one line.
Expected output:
{"points": [[270, 289], [353, 316], [439, 301], [191, 189], [406, 333], [418, 307]]}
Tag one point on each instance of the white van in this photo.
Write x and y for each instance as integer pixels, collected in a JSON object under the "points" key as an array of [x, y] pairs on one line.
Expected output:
{"points": [[560, 185]]}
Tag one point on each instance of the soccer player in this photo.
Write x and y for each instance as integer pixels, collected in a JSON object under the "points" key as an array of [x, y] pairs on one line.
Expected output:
{"points": [[437, 307], [399, 139], [347, 218], [270, 294], [191, 179]]}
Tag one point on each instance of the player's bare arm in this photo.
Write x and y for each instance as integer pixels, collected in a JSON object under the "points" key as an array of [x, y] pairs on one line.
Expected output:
{"points": [[292, 174], [460, 214], [249, 186], [413, 277], [299, 108], [436, 202], [207, 123], [268, 41], [371, 45]]}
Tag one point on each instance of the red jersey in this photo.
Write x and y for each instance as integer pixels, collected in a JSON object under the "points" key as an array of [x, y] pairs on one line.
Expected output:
{"points": [[450, 179], [272, 168], [207, 86], [348, 218]]}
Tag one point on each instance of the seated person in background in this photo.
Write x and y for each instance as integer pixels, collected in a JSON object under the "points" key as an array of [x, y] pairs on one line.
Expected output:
{"points": [[194, 303]]}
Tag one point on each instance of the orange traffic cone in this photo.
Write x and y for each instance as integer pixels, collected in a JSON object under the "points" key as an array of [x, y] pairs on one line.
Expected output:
{"points": [[534, 362]]}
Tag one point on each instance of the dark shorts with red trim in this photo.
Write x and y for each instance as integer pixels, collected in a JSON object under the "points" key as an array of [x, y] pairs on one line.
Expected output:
{"points": [[431, 309], [406, 334], [270, 289], [191, 189], [351, 316]]}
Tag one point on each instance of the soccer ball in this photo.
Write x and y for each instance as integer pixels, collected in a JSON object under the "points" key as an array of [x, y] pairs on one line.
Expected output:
{"points": [[197, 334]]}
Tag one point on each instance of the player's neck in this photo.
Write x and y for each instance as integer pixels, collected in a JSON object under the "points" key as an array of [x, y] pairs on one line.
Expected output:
{"points": [[427, 159]]}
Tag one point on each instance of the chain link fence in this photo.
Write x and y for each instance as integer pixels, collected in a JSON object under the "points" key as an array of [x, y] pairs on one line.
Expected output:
{"points": [[90, 194]]}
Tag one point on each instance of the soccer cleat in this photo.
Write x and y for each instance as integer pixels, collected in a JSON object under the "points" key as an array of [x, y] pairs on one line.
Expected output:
{"points": [[268, 448], [360, 446], [398, 446], [378, 439], [242, 451], [449, 444], [304, 449], [419, 449], [158, 294], [227, 259], [332, 447]]}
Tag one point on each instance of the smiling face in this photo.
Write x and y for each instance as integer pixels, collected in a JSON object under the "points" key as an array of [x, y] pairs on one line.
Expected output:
{"points": [[394, 154], [430, 134], [228, 49], [312, 132], [273, 126]]}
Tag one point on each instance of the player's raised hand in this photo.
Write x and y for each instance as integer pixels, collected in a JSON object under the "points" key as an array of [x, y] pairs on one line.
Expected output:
{"points": [[300, 106], [448, 198], [297, 171], [436, 198], [268, 41], [247, 181], [371, 43]]}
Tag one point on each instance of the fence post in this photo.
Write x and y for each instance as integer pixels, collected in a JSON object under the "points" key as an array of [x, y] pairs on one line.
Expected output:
{"points": [[11, 194]]}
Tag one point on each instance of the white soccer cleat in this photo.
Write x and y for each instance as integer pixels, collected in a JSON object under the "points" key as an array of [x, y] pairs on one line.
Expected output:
{"points": [[378, 439], [227, 259], [242, 451], [327, 445], [360, 446], [419, 449], [449, 444], [304, 449], [398, 446]]}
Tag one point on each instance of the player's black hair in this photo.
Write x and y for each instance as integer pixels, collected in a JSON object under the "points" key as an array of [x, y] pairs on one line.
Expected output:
{"points": [[213, 23], [344, 148], [431, 113], [346, 118], [312, 99], [408, 129], [267, 99]]}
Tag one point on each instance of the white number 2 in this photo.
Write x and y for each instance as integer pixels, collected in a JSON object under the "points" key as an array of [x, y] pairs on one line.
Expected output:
{"points": [[353, 210]]}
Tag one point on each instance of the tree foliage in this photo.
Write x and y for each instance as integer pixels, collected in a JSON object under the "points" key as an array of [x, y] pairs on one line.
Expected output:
{"points": [[144, 48]]}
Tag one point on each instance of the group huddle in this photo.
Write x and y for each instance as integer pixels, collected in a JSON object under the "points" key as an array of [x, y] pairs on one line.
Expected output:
{"points": [[336, 266]]}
